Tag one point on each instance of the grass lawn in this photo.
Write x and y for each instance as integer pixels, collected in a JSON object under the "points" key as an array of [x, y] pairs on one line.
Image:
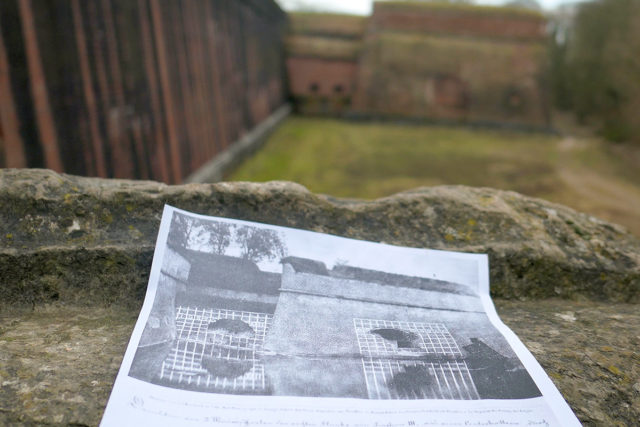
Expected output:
{"points": [[371, 160]]}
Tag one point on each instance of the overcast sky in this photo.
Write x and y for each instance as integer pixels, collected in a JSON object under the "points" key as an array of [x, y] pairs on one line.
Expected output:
{"points": [[363, 7]]}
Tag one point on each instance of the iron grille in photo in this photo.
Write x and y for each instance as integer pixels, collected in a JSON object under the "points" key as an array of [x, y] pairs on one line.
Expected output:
{"points": [[209, 358], [404, 379], [412, 360], [382, 338]]}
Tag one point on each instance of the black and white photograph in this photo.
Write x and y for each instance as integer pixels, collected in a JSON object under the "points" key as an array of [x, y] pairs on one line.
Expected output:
{"points": [[251, 309]]}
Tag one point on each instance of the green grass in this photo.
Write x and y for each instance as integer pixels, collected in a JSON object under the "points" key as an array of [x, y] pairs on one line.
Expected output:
{"points": [[368, 160], [373, 160]]}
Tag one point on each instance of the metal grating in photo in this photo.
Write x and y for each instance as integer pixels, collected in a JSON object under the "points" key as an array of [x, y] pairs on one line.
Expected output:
{"points": [[217, 350], [404, 379], [412, 360], [382, 338]]}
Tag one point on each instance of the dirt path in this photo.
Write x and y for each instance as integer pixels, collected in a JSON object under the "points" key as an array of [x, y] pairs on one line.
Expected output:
{"points": [[605, 196]]}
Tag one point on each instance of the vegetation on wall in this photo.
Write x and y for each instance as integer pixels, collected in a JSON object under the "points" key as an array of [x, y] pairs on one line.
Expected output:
{"points": [[323, 47], [333, 24], [512, 11]]}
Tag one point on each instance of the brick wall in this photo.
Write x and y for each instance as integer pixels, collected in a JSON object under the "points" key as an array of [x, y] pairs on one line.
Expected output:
{"points": [[322, 61], [135, 88], [462, 20], [423, 61], [452, 78], [321, 86], [321, 77]]}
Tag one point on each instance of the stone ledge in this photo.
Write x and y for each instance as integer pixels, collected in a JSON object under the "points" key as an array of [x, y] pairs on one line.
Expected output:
{"points": [[74, 239], [75, 256], [59, 361]]}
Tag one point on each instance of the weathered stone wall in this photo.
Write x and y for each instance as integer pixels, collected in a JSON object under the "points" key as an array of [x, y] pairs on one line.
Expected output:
{"points": [[89, 240], [75, 255]]}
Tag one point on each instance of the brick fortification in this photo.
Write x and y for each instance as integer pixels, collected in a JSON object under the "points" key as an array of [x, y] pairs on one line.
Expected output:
{"points": [[322, 60], [159, 90], [454, 63]]}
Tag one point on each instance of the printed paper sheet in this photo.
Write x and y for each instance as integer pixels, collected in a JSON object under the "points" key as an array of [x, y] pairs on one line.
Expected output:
{"points": [[254, 324]]}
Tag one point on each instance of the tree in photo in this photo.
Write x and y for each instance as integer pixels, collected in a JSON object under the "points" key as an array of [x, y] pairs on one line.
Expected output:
{"points": [[219, 237], [257, 244], [181, 231]]}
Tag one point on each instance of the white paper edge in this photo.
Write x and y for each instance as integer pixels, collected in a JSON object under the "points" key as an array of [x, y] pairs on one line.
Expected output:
{"points": [[550, 392]]}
